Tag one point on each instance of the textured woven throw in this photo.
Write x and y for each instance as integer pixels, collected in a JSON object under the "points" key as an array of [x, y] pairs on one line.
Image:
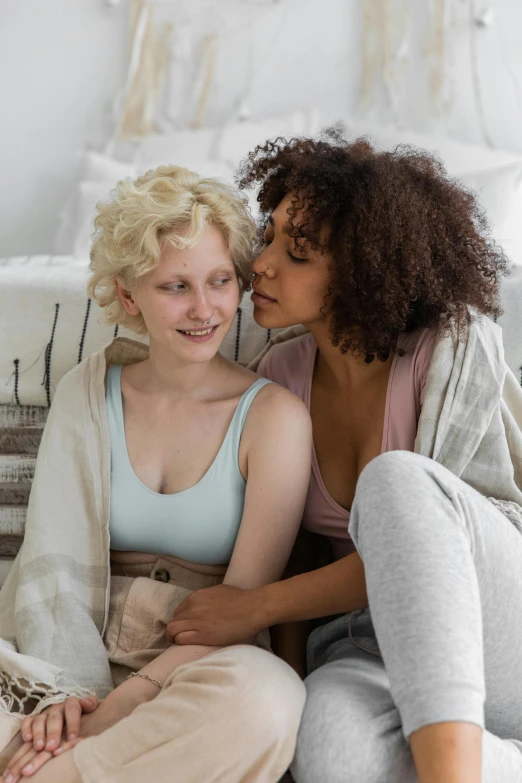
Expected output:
{"points": [[53, 605]]}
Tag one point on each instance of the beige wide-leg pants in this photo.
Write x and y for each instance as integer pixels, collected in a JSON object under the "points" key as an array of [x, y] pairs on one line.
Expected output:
{"points": [[229, 717]]}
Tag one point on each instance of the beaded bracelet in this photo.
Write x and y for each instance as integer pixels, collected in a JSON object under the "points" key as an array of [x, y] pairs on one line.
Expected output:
{"points": [[146, 677]]}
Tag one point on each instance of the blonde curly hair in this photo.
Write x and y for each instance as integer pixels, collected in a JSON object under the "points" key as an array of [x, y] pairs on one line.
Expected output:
{"points": [[168, 203]]}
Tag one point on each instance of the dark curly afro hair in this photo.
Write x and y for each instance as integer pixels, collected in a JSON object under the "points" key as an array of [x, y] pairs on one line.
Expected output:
{"points": [[411, 247]]}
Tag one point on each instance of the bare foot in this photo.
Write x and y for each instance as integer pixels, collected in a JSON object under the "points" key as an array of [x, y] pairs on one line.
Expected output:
{"points": [[10, 749]]}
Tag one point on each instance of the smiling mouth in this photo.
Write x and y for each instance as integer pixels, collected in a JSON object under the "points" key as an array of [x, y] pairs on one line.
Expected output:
{"points": [[197, 332]]}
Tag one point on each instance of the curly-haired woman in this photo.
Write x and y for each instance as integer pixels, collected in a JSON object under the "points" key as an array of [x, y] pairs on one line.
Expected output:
{"points": [[174, 469], [417, 467]]}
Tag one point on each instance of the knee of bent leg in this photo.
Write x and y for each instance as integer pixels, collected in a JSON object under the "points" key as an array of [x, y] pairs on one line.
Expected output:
{"points": [[389, 469], [385, 482], [271, 696]]}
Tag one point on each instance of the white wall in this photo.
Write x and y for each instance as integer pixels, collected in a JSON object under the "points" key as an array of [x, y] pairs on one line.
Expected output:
{"points": [[62, 63]]}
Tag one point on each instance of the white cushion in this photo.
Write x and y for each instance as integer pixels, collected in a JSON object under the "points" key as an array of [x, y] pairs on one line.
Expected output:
{"points": [[178, 145], [95, 167], [237, 140], [458, 158], [104, 168], [90, 192], [495, 176], [511, 320], [204, 168], [500, 193]]}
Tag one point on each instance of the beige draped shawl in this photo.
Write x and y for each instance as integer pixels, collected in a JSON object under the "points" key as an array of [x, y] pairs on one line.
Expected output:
{"points": [[53, 605]]}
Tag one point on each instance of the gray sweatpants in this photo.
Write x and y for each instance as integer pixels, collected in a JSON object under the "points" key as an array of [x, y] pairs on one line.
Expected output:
{"points": [[444, 577]]}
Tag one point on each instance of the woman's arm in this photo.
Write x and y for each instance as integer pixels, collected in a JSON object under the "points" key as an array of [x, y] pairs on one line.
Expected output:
{"points": [[226, 615], [333, 589], [277, 439], [289, 639]]}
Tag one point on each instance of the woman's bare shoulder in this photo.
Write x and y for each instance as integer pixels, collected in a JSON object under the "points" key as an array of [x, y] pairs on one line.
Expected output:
{"points": [[276, 410], [272, 396]]}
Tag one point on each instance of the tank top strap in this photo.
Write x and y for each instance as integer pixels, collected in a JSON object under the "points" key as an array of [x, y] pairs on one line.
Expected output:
{"points": [[243, 406], [114, 402]]}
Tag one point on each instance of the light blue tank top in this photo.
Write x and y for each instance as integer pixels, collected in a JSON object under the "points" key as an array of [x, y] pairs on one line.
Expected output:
{"points": [[199, 524]]}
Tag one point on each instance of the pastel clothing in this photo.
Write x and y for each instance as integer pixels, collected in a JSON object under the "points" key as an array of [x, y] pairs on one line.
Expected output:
{"points": [[199, 524], [55, 603], [440, 642], [240, 703], [292, 363], [73, 624], [438, 527]]}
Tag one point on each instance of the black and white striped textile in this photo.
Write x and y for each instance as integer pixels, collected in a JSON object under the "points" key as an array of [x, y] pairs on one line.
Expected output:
{"points": [[48, 325]]}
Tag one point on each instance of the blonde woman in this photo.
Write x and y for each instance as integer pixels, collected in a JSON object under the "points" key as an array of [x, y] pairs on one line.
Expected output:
{"points": [[162, 470]]}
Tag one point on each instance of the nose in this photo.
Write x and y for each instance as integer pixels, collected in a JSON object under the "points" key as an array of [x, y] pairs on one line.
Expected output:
{"points": [[201, 308], [264, 264]]}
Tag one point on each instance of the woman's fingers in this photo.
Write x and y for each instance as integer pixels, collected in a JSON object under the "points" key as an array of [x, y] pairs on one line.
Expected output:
{"points": [[187, 637], [39, 730], [89, 703], [67, 746], [35, 763], [26, 728], [25, 763], [14, 761], [176, 627], [73, 712], [54, 727]]}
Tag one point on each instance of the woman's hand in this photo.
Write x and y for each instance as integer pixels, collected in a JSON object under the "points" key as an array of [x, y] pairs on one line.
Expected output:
{"points": [[45, 729], [217, 616], [49, 733], [27, 761]]}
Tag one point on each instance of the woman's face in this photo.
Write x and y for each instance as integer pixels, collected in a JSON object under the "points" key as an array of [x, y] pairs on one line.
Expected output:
{"points": [[189, 300], [290, 283]]}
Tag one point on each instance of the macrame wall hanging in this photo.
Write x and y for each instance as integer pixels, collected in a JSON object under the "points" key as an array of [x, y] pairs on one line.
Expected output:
{"points": [[411, 48], [174, 46], [418, 61], [396, 35], [148, 62]]}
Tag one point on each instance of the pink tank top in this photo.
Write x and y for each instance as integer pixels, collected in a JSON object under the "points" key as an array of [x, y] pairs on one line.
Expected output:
{"points": [[291, 364]]}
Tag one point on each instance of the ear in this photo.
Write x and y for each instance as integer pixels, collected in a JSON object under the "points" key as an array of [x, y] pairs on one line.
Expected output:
{"points": [[126, 299]]}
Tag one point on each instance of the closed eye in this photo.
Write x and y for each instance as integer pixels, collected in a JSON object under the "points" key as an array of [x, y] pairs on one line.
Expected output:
{"points": [[295, 259]]}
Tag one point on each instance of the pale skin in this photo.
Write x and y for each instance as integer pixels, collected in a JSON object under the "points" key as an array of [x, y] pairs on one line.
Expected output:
{"points": [[346, 438], [187, 389]]}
